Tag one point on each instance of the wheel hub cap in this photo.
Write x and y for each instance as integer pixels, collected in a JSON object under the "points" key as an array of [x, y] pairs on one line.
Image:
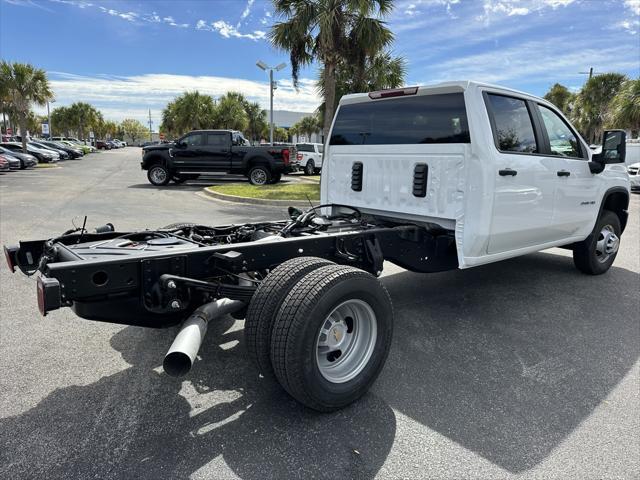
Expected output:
{"points": [[607, 244], [346, 341]]}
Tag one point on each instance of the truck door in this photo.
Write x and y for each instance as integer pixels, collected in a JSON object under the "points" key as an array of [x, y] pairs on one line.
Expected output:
{"points": [[187, 157], [217, 152], [575, 203], [525, 178]]}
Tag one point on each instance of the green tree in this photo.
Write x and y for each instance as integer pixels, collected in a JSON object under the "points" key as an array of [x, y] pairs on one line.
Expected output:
{"points": [[133, 129], [23, 85], [230, 112], [624, 110], [382, 71], [189, 111], [561, 97], [61, 121], [280, 134], [256, 120], [306, 126], [83, 116], [331, 31], [592, 104]]}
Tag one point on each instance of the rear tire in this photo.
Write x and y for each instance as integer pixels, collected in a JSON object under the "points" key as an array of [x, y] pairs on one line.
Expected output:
{"points": [[158, 175], [265, 304], [259, 175], [310, 168], [596, 254], [332, 336]]}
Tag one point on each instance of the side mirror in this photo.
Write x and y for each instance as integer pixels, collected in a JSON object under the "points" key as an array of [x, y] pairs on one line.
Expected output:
{"points": [[614, 150]]}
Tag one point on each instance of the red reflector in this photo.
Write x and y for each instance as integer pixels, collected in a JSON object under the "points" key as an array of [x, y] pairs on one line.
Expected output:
{"points": [[285, 156], [9, 259], [40, 288], [395, 92], [299, 156]]}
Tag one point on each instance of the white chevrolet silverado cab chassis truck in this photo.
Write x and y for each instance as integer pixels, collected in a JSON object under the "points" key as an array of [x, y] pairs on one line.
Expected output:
{"points": [[454, 175]]}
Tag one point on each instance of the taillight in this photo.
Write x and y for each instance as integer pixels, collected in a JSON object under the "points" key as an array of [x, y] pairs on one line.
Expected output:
{"points": [[299, 156], [395, 92], [285, 156], [48, 294]]}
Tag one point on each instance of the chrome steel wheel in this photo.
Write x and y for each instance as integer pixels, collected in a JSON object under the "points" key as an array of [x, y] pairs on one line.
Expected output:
{"points": [[258, 176], [607, 243], [158, 175], [346, 341]]}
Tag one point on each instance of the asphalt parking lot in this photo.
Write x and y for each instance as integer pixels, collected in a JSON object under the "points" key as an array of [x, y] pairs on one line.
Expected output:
{"points": [[521, 369]]}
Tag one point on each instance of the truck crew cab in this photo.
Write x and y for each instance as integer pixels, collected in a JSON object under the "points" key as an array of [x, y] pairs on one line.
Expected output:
{"points": [[454, 175], [206, 152]]}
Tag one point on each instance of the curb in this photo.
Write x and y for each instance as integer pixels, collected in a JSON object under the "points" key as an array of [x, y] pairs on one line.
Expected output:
{"points": [[254, 201]]}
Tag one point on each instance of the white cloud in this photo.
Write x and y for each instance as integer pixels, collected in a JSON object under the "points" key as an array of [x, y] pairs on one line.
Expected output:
{"points": [[510, 8], [633, 5], [227, 31], [631, 26], [133, 96], [246, 11]]}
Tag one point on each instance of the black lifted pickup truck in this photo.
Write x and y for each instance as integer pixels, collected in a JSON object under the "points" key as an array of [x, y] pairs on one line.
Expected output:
{"points": [[206, 152]]}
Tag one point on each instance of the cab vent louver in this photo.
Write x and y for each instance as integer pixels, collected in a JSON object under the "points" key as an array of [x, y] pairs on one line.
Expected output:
{"points": [[356, 177], [420, 173]]}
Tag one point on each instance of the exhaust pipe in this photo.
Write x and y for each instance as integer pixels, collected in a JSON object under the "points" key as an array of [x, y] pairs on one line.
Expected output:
{"points": [[180, 357]]}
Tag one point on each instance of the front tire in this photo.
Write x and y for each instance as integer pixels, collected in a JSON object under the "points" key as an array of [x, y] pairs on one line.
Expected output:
{"points": [[276, 178], [259, 175], [332, 336], [596, 254], [158, 175], [310, 168]]}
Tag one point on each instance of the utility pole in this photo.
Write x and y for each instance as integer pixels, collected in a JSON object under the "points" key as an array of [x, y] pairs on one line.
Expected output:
{"points": [[150, 122], [263, 66], [49, 118], [591, 73]]}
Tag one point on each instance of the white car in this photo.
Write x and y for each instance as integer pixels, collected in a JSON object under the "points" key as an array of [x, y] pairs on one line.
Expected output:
{"points": [[634, 176], [310, 157]]}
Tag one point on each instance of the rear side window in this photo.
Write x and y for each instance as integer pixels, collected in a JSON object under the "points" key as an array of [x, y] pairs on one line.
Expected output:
{"points": [[512, 124], [304, 147], [407, 120], [217, 139]]}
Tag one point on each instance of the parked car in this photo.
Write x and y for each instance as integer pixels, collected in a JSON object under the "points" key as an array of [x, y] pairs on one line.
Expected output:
{"points": [[73, 152], [26, 160], [103, 145], [113, 144], [43, 156], [203, 152], [310, 157], [74, 142], [4, 164], [63, 155], [119, 143]]}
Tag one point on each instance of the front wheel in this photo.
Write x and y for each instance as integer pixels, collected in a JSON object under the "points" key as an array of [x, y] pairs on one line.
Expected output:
{"points": [[331, 336], [259, 175], [158, 175], [595, 254]]}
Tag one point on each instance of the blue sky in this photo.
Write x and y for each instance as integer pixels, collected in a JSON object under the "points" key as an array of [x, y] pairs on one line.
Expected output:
{"points": [[126, 56]]}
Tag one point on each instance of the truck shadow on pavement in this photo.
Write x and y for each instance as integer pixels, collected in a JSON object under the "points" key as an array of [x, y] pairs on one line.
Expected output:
{"points": [[140, 423], [508, 359]]}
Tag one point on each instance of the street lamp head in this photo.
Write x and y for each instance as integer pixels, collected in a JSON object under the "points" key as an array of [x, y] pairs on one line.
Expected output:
{"points": [[281, 66], [260, 64]]}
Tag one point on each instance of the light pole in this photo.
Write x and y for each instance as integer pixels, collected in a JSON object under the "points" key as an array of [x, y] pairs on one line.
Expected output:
{"points": [[263, 66], [49, 117]]}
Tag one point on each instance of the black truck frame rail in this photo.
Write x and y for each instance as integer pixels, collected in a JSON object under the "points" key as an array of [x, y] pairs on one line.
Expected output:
{"points": [[158, 289]]}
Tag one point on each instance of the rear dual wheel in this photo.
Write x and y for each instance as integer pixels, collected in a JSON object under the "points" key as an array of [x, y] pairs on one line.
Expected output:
{"points": [[330, 336]]}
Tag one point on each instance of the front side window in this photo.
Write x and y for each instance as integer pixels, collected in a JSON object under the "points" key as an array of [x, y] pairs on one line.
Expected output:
{"points": [[513, 125], [406, 120], [193, 140], [562, 140]]}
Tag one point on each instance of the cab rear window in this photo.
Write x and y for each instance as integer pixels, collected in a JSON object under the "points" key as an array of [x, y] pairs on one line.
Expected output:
{"points": [[408, 120]]}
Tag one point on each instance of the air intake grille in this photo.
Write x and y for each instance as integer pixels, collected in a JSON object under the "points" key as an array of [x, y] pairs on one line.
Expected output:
{"points": [[420, 173], [356, 177]]}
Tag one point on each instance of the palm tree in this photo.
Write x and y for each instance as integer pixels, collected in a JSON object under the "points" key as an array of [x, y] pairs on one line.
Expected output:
{"points": [[306, 126], [83, 115], [23, 85], [257, 119], [591, 105], [189, 111], [230, 112], [561, 97], [624, 110], [61, 120], [382, 71], [331, 31]]}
